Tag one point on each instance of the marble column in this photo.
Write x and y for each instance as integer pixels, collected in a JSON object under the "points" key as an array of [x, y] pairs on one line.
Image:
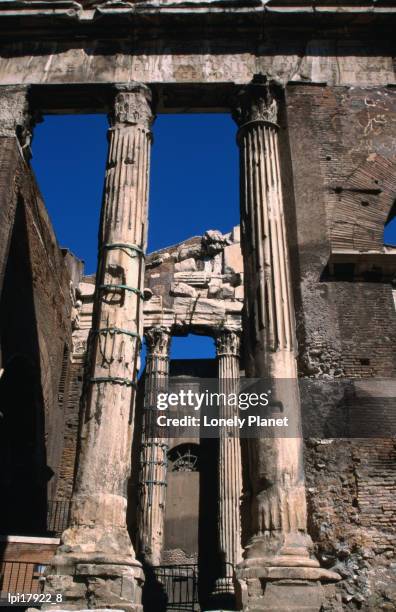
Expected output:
{"points": [[229, 467], [154, 449], [97, 543], [278, 571]]}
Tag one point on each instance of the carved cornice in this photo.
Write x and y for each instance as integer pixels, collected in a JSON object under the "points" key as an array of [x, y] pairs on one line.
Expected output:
{"points": [[158, 341], [227, 343], [256, 103], [132, 106]]}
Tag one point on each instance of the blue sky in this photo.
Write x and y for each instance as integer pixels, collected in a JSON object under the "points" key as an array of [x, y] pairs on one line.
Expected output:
{"points": [[194, 185], [194, 178]]}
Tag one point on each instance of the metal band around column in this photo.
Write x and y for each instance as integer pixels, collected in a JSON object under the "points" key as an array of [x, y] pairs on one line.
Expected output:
{"points": [[117, 330], [115, 380], [123, 287], [124, 245]]}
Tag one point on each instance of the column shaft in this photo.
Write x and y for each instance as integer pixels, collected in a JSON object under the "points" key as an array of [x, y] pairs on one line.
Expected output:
{"points": [[229, 468], [104, 460], [153, 469], [98, 533], [279, 536], [280, 506]]}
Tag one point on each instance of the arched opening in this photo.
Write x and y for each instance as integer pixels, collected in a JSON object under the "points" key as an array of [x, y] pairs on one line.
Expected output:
{"points": [[182, 507], [390, 227], [190, 529], [192, 347]]}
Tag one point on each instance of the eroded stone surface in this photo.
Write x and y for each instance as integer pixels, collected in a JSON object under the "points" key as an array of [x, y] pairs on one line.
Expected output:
{"points": [[337, 126], [191, 288]]}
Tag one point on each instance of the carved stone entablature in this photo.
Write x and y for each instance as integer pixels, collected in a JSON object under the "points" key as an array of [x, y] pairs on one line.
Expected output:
{"points": [[196, 285], [117, 4], [227, 342], [79, 345], [76, 307], [256, 102], [214, 241], [158, 341], [132, 105], [82, 298], [187, 290]]}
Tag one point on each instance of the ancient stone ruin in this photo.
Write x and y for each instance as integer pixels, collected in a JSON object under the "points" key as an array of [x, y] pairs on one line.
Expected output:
{"points": [[99, 511]]}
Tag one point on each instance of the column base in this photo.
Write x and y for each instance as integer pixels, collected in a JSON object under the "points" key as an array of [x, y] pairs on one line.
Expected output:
{"points": [[94, 568], [223, 594], [281, 589], [224, 586], [94, 585]]}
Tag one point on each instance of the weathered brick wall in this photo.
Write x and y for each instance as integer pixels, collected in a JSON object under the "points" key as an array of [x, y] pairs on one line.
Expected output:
{"points": [[22, 564], [368, 331], [364, 334], [376, 486], [35, 330], [340, 140], [334, 131], [85, 293], [67, 463], [351, 489], [30, 552]]}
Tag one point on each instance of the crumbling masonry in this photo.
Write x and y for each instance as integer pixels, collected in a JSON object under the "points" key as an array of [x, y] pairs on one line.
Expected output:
{"points": [[303, 291]]}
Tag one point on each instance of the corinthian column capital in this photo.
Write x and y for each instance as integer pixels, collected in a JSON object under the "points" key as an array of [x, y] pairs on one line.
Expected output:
{"points": [[132, 106], [227, 343], [256, 103], [158, 341]]}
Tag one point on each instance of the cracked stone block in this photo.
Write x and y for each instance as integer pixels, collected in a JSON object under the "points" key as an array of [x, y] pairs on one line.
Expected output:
{"points": [[189, 251], [236, 233], [233, 261], [227, 291], [182, 290], [239, 293], [186, 265], [214, 288]]}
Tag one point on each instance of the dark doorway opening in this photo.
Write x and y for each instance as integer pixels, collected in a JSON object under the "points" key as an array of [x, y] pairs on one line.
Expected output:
{"points": [[24, 473]]}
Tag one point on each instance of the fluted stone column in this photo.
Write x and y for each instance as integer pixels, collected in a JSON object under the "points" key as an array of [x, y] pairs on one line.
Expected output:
{"points": [[278, 571], [154, 449], [97, 542], [229, 468]]}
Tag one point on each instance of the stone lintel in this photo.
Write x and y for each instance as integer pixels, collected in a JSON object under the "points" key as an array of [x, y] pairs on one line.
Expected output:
{"points": [[74, 11]]}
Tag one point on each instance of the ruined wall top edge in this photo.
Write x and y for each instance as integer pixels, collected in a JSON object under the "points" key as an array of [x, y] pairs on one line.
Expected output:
{"points": [[117, 6]]}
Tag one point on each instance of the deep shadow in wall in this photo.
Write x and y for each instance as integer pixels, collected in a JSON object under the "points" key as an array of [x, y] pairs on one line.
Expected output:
{"points": [[209, 561], [23, 468]]}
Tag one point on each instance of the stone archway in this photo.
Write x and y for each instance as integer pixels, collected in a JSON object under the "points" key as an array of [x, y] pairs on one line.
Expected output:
{"points": [[364, 205]]}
